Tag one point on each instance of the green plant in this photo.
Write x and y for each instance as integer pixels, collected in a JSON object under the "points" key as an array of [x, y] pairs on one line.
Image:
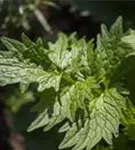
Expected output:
{"points": [[82, 87]]}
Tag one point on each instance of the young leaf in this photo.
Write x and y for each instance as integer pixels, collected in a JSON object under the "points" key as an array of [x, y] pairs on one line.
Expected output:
{"points": [[59, 53], [15, 47]]}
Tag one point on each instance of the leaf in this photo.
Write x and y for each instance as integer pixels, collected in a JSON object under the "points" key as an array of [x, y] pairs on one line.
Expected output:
{"points": [[59, 53], [29, 50], [44, 119], [111, 50], [82, 57], [130, 39], [14, 71], [105, 113], [74, 97], [70, 100], [14, 46], [27, 42], [117, 28]]}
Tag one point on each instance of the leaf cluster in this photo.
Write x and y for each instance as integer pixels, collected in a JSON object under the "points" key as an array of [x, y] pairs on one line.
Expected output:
{"points": [[80, 85]]}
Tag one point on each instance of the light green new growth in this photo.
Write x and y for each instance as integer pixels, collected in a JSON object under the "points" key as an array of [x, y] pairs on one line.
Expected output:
{"points": [[77, 84]]}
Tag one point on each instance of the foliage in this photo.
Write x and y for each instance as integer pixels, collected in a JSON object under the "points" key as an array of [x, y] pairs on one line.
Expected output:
{"points": [[79, 87]]}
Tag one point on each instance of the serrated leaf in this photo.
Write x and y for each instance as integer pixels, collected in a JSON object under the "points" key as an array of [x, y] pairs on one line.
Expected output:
{"points": [[74, 97], [104, 32], [82, 57], [105, 113], [14, 46], [14, 71], [46, 119], [117, 27], [59, 53], [130, 39], [27, 50]]}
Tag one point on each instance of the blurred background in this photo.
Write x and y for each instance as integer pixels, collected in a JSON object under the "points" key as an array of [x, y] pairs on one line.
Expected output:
{"points": [[45, 18]]}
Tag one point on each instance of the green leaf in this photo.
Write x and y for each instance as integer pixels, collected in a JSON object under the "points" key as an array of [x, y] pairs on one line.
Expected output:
{"points": [[14, 46], [117, 28], [130, 39], [70, 100], [27, 42], [59, 53], [76, 96], [34, 52], [82, 58], [47, 120], [105, 113], [111, 51], [14, 71]]}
